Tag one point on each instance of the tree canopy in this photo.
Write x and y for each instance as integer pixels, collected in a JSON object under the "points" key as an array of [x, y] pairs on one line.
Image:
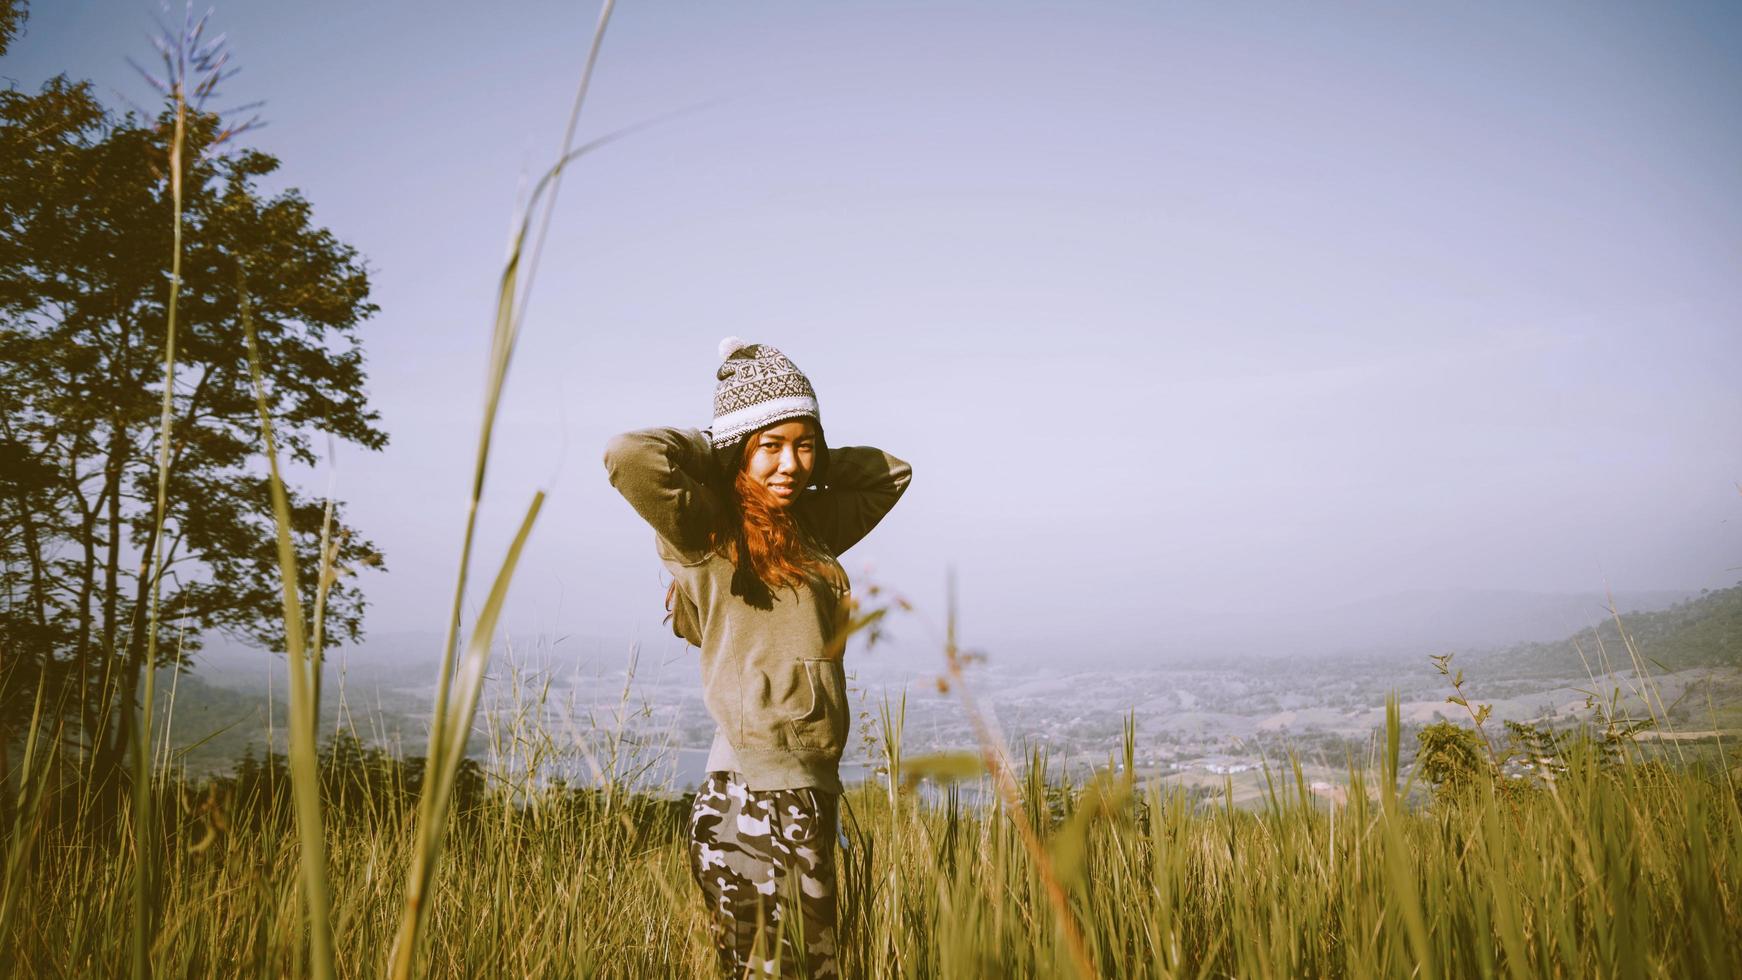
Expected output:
{"points": [[12, 17], [85, 247]]}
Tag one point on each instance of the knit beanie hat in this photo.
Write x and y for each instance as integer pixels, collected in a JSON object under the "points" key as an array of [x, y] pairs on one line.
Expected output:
{"points": [[758, 387]]}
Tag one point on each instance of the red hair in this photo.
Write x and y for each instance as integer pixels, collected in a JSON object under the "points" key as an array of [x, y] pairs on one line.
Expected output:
{"points": [[763, 534], [763, 539]]}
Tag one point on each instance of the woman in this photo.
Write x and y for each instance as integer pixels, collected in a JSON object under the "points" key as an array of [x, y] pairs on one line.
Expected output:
{"points": [[749, 517]]}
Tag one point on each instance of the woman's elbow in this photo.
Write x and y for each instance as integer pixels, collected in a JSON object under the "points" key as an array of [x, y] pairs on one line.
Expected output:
{"points": [[620, 449], [901, 474]]}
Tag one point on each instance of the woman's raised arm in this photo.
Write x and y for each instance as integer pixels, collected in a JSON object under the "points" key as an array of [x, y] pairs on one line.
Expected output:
{"points": [[864, 483], [663, 473]]}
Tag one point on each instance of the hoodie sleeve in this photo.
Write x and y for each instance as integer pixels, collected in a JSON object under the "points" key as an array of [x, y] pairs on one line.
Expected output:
{"points": [[662, 473], [864, 483]]}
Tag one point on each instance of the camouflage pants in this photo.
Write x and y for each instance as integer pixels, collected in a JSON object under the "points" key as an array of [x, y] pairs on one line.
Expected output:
{"points": [[756, 854]]}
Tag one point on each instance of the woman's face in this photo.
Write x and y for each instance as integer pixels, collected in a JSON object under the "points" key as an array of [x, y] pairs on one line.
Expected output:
{"points": [[781, 458]]}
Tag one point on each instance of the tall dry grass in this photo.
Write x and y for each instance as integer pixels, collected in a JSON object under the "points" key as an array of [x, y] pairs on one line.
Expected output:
{"points": [[1610, 870]]}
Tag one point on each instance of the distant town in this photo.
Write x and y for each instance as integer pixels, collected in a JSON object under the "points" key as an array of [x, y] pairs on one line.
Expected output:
{"points": [[637, 717]]}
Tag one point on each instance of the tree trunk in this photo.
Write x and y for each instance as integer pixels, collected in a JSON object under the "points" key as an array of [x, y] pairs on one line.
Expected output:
{"points": [[87, 591], [120, 716], [106, 743]]}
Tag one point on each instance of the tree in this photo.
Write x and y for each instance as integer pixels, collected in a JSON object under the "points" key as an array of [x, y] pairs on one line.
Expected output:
{"points": [[85, 249], [12, 16], [1451, 756]]}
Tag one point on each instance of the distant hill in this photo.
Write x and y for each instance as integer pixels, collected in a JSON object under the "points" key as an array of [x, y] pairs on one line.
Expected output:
{"points": [[1400, 625], [1702, 632], [1475, 618]]}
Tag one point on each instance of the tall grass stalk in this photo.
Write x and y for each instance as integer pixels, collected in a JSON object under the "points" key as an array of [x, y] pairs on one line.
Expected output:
{"points": [[193, 71], [326, 572], [305, 786], [144, 878], [450, 728], [997, 759]]}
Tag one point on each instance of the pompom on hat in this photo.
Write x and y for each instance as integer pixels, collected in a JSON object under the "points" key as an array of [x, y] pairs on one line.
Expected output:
{"points": [[758, 386]]}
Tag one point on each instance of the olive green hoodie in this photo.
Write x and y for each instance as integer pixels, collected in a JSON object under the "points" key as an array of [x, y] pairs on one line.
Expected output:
{"points": [[770, 679]]}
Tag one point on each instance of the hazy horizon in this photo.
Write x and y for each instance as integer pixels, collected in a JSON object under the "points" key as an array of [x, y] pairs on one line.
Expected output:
{"points": [[1401, 629], [1178, 312]]}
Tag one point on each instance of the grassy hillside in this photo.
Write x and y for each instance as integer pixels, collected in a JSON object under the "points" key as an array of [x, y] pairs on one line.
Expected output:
{"points": [[1702, 632]]}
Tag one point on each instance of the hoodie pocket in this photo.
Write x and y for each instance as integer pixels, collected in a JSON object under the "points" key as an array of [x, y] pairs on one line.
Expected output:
{"points": [[825, 721]]}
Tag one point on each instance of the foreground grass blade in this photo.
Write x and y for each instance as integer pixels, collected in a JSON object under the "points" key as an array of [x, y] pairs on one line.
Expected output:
{"points": [[145, 876], [27, 819], [941, 767], [304, 775], [451, 722], [456, 729], [996, 755]]}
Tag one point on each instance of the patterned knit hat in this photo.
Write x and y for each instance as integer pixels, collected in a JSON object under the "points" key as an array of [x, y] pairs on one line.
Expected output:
{"points": [[758, 386]]}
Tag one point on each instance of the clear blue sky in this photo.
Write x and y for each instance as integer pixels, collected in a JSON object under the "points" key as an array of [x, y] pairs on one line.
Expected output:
{"points": [[1176, 308]]}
